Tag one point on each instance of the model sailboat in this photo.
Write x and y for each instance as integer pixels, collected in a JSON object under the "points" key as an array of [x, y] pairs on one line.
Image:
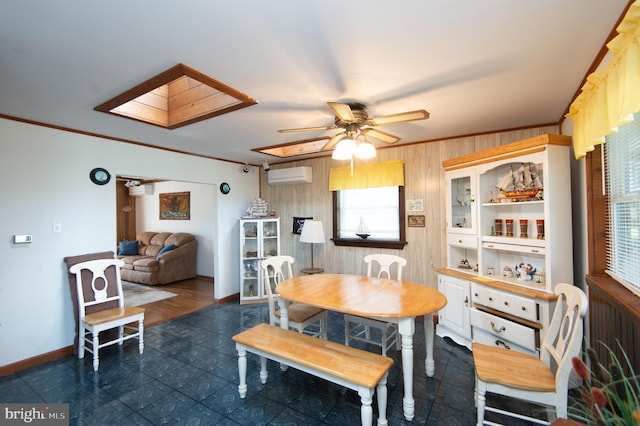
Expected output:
{"points": [[522, 184], [362, 231]]}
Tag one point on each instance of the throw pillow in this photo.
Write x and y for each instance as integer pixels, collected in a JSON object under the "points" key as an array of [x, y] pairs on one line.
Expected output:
{"points": [[128, 248], [165, 249]]}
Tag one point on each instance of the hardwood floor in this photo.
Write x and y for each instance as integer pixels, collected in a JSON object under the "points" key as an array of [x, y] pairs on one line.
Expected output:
{"points": [[193, 294]]}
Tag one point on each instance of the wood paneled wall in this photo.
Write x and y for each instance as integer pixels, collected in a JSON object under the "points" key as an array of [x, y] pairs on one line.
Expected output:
{"points": [[424, 179], [614, 321]]}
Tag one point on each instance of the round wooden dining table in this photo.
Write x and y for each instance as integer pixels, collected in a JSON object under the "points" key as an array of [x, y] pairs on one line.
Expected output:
{"points": [[380, 298]]}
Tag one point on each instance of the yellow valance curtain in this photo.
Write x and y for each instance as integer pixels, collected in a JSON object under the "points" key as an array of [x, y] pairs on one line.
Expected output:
{"points": [[388, 173], [611, 95]]}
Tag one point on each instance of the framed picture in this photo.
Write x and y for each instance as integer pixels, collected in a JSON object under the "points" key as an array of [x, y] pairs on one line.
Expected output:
{"points": [[416, 221], [415, 205], [175, 206], [298, 222]]}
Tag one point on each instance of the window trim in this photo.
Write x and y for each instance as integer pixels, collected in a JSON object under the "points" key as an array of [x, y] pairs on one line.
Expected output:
{"points": [[597, 207], [357, 242]]}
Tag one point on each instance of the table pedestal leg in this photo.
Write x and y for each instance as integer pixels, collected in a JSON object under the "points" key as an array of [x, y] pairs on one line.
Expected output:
{"points": [[406, 327], [429, 363]]}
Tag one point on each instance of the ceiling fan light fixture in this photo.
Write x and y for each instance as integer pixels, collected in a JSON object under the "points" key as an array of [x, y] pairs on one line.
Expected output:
{"points": [[345, 150], [365, 150]]}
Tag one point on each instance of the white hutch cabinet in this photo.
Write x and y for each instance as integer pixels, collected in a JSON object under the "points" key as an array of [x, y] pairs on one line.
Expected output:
{"points": [[259, 239], [509, 242]]}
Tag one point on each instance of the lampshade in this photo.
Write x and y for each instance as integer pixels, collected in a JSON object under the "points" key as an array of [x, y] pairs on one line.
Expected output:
{"points": [[312, 232], [365, 150], [344, 150]]}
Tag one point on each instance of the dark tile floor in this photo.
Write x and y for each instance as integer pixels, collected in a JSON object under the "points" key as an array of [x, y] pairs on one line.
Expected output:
{"points": [[188, 375]]}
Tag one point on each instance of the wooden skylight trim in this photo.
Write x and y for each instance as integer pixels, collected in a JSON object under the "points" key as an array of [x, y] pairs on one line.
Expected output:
{"points": [[176, 97], [291, 149]]}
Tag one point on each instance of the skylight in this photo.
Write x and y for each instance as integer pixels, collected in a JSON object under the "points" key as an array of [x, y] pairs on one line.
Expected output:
{"points": [[177, 97], [292, 149]]}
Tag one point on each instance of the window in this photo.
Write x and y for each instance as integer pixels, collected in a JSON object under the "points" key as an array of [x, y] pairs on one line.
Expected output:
{"points": [[622, 190], [380, 209]]}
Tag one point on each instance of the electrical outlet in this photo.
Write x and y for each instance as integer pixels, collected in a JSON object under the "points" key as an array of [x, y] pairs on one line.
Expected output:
{"points": [[57, 227]]}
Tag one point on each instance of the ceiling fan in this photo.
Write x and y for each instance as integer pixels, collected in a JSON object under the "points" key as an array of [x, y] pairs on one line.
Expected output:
{"points": [[354, 119]]}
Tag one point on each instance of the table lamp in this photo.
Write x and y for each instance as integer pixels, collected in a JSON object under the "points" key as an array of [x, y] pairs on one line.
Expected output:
{"points": [[312, 232]]}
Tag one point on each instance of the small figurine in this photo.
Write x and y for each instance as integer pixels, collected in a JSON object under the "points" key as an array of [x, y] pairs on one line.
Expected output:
{"points": [[525, 272], [464, 264]]}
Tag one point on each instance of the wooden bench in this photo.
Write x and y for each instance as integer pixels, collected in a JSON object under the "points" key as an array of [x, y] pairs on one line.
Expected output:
{"points": [[349, 367]]}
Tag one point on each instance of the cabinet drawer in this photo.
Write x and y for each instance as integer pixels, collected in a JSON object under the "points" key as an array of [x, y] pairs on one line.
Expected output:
{"points": [[481, 336], [503, 329], [503, 301], [457, 240], [515, 248]]}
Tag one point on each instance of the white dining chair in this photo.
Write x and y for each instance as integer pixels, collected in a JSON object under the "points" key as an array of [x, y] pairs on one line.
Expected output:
{"points": [[302, 318], [521, 376], [98, 283], [359, 328]]}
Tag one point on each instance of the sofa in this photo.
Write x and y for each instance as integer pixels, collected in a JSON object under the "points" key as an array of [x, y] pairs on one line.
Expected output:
{"points": [[159, 257]]}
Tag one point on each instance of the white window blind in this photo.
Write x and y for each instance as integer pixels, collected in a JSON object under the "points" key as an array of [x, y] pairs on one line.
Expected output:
{"points": [[622, 186], [377, 207]]}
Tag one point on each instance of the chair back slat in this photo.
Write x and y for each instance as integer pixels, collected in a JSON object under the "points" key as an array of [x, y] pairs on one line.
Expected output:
{"points": [[385, 262], [104, 277], [563, 338]]}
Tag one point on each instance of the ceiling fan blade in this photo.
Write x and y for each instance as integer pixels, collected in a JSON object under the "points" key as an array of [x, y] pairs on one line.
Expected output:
{"points": [[380, 135], [334, 140], [307, 129], [401, 117], [342, 111]]}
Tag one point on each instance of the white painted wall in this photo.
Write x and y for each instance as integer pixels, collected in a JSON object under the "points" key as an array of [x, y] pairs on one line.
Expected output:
{"points": [[202, 199], [44, 178]]}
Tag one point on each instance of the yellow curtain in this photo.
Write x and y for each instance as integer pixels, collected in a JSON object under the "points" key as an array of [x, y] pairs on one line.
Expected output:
{"points": [[611, 95], [388, 173]]}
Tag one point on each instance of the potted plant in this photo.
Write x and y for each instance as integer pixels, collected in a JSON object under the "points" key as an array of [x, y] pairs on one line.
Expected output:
{"points": [[608, 396]]}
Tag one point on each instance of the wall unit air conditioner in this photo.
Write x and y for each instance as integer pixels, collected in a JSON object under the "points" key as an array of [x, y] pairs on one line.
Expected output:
{"points": [[141, 190], [290, 176]]}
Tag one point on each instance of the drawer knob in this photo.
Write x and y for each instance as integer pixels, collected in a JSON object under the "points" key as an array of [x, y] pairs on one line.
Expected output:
{"points": [[490, 245], [524, 308], [497, 330], [506, 303], [475, 294], [460, 241], [500, 342], [490, 299]]}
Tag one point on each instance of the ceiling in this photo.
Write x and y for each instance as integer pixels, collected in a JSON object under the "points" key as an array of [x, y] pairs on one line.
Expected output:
{"points": [[476, 66]]}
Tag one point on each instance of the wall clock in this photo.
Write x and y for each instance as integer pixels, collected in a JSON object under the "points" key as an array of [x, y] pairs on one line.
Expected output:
{"points": [[225, 188], [100, 176]]}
